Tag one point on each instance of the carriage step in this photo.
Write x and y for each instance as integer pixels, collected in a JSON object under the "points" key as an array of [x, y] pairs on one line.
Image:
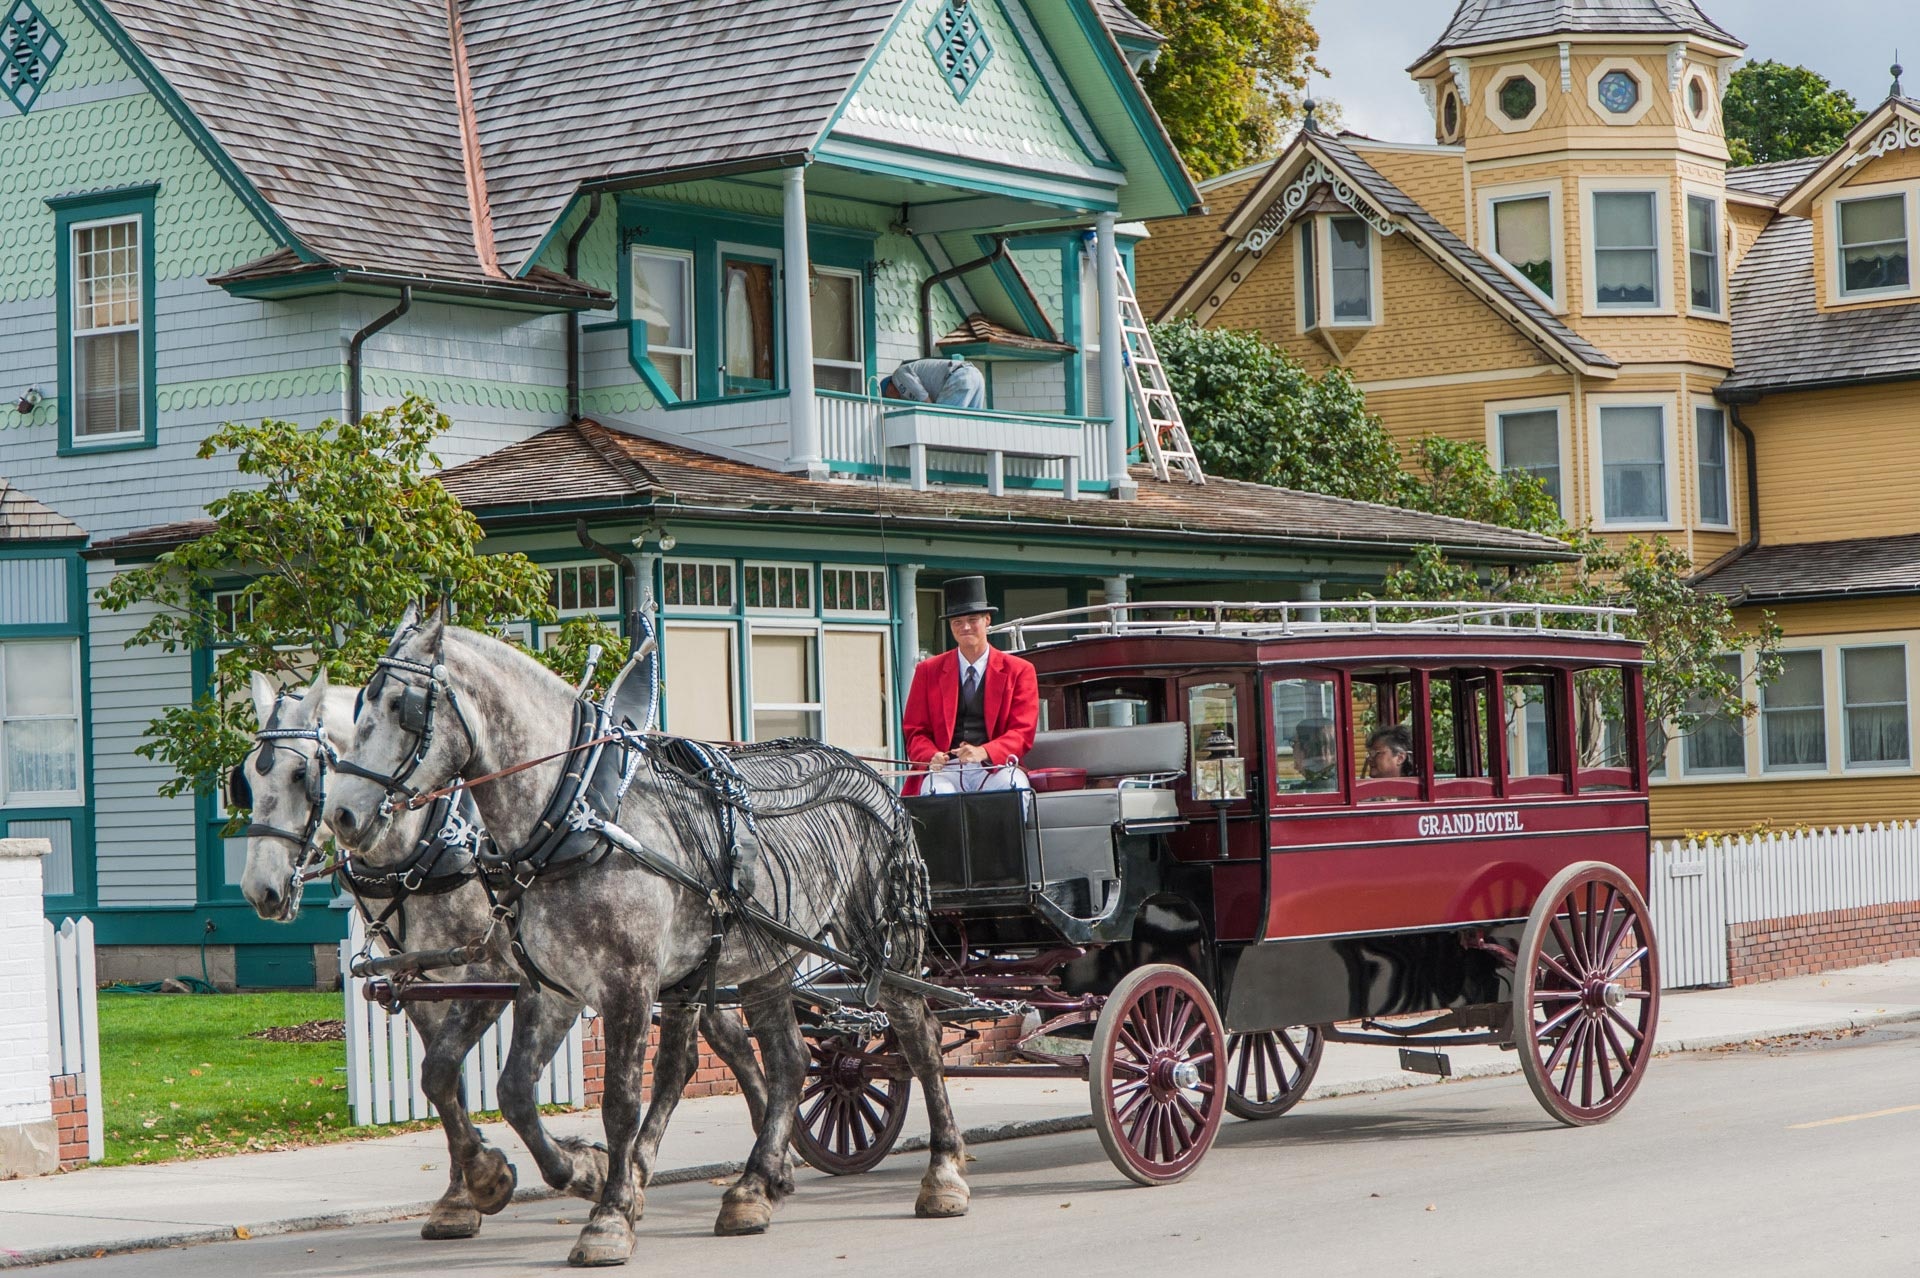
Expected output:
{"points": [[1419, 1062]]}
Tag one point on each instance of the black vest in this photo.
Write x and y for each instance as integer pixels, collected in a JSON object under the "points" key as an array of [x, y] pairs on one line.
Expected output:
{"points": [[970, 717]]}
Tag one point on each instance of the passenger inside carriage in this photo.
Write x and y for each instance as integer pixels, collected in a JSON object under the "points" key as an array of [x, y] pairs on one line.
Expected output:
{"points": [[1390, 752], [1313, 756]]}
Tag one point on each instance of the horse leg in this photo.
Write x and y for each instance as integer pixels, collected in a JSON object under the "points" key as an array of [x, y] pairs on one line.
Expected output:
{"points": [[571, 1165], [748, 1205], [450, 1031], [730, 1041], [608, 1237], [943, 1190], [674, 1062]]}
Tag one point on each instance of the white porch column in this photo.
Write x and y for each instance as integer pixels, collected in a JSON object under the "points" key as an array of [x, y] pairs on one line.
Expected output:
{"points": [[29, 1136], [1113, 383], [1114, 588], [803, 449], [1310, 593], [906, 579]]}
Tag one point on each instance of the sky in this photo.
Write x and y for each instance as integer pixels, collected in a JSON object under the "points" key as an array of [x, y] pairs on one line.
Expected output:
{"points": [[1365, 45]]}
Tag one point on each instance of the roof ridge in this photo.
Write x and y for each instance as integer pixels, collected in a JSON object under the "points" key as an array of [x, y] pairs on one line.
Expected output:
{"points": [[472, 159], [598, 438]]}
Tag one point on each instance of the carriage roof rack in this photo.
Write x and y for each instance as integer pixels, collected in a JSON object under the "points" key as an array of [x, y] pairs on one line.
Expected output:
{"points": [[1233, 619]]}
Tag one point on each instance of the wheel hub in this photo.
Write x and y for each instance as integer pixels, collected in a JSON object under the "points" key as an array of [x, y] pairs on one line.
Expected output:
{"points": [[1597, 994], [1173, 1074]]}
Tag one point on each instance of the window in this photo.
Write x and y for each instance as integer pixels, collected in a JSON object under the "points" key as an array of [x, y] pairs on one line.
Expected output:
{"points": [[1530, 441], [1213, 734], [1710, 447], [1633, 458], [1517, 98], [1697, 98], [108, 315], [1309, 278], [584, 590], [697, 585], [839, 332], [1600, 727], [1350, 255], [1793, 715], [662, 291], [778, 588], [1121, 704], [1304, 734], [699, 680], [1718, 742], [1874, 687], [1449, 117], [1533, 743], [1703, 255], [1523, 237], [748, 325], [786, 685], [855, 591], [1626, 250], [1386, 758], [1619, 92], [859, 681], [1873, 245], [1458, 701], [40, 721]]}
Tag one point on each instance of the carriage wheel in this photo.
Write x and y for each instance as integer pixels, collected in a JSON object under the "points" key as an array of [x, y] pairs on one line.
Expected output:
{"points": [[1586, 994], [1268, 1071], [851, 1111], [1157, 1074]]}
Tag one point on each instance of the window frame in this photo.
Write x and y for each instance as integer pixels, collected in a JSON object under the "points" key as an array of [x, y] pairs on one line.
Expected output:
{"points": [[1846, 705], [1496, 113], [863, 358], [73, 213], [1667, 404], [1338, 724], [1826, 764], [784, 627], [1726, 469], [1556, 781], [1837, 291], [775, 260], [1490, 198], [810, 568], [1642, 77], [1323, 225], [1660, 191], [1306, 268], [880, 613], [76, 797], [1716, 250], [556, 569], [642, 345], [1561, 407]]}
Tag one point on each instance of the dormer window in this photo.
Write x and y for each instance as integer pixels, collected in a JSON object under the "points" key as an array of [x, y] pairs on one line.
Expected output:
{"points": [[1339, 273], [1873, 246]]}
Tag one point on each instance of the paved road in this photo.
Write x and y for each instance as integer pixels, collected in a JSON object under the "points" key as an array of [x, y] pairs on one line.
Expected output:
{"points": [[1790, 1159]]}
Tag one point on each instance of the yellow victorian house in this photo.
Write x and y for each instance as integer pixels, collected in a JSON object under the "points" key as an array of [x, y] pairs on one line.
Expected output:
{"points": [[1729, 358]]}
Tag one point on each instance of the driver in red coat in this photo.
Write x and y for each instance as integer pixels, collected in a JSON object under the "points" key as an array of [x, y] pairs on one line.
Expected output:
{"points": [[973, 709]]}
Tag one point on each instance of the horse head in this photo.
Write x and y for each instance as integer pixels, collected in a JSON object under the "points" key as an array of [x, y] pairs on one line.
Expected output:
{"points": [[282, 780]]}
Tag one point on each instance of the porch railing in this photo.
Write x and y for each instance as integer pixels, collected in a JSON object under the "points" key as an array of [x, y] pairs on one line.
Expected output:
{"points": [[926, 443]]}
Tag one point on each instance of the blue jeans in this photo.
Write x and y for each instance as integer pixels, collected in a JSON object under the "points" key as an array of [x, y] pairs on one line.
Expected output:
{"points": [[964, 388]]}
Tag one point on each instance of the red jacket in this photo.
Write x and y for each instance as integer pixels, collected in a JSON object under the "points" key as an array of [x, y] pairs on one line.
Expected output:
{"points": [[1012, 697]]}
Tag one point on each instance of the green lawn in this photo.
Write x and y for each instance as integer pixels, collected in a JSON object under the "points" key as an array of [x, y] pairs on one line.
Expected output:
{"points": [[183, 1080]]}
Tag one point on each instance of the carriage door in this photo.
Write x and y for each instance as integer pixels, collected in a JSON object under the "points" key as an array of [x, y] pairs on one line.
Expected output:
{"points": [[1223, 762]]}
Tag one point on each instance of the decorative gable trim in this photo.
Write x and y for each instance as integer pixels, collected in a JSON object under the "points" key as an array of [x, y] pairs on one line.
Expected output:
{"points": [[1899, 135], [1895, 126], [1294, 198]]}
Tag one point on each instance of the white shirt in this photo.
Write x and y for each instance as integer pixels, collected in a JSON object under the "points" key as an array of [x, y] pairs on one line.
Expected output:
{"points": [[979, 667]]}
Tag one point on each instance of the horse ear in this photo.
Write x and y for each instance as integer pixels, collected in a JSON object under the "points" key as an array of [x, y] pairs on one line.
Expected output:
{"points": [[317, 690], [433, 627], [265, 694]]}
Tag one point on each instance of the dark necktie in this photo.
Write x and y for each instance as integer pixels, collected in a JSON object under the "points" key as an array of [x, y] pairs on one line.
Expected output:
{"points": [[969, 682]]}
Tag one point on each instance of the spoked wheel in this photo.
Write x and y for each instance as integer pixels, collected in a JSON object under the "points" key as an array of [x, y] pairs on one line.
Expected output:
{"points": [[851, 1111], [1586, 994], [1268, 1071], [1157, 1074]]}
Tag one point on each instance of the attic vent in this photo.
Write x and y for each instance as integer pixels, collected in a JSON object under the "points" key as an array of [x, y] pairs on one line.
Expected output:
{"points": [[29, 50], [960, 45]]}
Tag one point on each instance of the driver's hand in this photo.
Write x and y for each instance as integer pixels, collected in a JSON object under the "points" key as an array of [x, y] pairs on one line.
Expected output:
{"points": [[937, 762]]}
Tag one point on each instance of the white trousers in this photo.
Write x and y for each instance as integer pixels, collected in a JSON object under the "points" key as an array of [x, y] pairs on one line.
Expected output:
{"points": [[976, 778]]}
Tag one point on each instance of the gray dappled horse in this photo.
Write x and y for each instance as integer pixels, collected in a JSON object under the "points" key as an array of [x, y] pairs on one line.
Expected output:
{"points": [[835, 854], [287, 781]]}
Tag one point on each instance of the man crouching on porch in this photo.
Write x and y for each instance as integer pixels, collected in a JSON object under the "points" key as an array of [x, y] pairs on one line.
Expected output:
{"points": [[953, 382], [972, 711]]}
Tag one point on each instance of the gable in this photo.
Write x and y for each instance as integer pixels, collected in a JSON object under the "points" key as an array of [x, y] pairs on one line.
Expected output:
{"points": [[95, 126], [1889, 133], [1181, 246], [1015, 112]]}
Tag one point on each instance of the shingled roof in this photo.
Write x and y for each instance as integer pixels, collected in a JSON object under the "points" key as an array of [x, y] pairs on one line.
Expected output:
{"points": [[589, 464], [1126, 24], [1820, 570], [1783, 341], [1773, 180], [1479, 22], [23, 518]]}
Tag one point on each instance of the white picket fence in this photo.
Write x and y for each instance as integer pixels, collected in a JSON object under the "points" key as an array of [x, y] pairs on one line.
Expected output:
{"points": [[73, 1018], [385, 1054], [1699, 890]]}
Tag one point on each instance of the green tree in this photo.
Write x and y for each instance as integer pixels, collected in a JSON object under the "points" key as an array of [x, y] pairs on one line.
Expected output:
{"points": [[339, 529], [566, 653], [1256, 414], [1231, 75], [1777, 112]]}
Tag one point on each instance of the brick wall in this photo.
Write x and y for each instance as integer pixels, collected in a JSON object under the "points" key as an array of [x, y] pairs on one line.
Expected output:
{"points": [[1804, 943], [70, 1118], [713, 1078]]}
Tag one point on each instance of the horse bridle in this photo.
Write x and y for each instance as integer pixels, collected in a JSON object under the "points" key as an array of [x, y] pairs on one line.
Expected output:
{"points": [[418, 705], [315, 781]]}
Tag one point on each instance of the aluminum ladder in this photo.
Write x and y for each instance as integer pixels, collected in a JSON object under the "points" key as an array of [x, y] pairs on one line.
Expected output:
{"points": [[1162, 430]]}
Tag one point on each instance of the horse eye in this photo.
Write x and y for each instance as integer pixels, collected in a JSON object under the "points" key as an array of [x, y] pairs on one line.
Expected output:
{"points": [[300, 772]]}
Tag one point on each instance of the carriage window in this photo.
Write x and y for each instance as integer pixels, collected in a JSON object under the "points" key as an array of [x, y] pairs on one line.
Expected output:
{"points": [[1213, 732], [1533, 737], [1600, 721], [1383, 744], [1121, 705], [1303, 730], [1461, 744]]}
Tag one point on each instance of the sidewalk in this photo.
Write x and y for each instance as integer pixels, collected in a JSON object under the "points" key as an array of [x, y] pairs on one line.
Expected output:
{"points": [[132, 1208]]}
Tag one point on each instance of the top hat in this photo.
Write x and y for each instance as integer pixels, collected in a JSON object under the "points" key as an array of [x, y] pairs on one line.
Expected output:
{"points": [[965, 596]]}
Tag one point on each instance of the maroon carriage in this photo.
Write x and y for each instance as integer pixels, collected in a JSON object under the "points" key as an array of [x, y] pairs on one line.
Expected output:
{"points": [[1415, 825]]}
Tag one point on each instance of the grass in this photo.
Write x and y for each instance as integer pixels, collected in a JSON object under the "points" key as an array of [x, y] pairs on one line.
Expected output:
{"points": [[182, 1079]]}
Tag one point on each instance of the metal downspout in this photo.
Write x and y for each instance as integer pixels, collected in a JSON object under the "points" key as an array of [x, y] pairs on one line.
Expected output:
{"points": [[1753, 483], [927, 285], [355, 347], [573, 319]]}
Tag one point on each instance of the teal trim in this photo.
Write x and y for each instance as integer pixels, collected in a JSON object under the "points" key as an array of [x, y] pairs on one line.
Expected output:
{"points": [[959, 175], [1046, 81], [1031, 319], [731, 387], [964, 479], [742, 398], [233, 924], [1133, 98], [79, 816], [34, 50], [68, 210], [203, 141]]}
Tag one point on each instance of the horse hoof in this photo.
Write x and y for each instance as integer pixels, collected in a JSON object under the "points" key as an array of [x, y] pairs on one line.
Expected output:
{"points": [[589, 1169], [943, 1201], [490, 1181], [607, 1240], [451, 1221], [745, 1214]]}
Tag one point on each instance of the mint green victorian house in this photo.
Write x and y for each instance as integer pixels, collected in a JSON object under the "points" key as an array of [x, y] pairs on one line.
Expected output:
{"points": [[654, 260]]}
